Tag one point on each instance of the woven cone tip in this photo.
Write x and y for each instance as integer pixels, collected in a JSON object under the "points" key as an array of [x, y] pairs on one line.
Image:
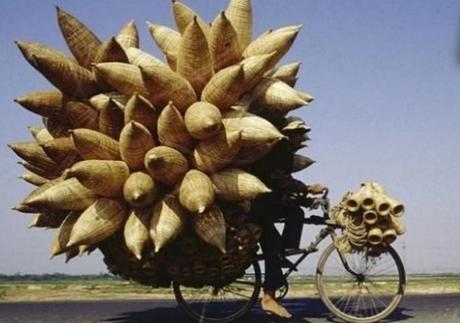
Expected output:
{"points": [[294, 29], [32, 224], [138, 196], [21, 45], [306, 97], [158, 246], [300, 100], [56, 250], [223, 15], [82, 250], [72, 242], [134, 125], [210, 125], [68, 173], [155, 161], [266, 190], [33, 200]]}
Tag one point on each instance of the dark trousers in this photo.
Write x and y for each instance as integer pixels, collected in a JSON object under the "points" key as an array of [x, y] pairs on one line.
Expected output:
{"points": [[266, 212]]}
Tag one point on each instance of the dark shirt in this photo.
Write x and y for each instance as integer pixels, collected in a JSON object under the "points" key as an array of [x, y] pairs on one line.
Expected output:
{"points": [[275, 171]]}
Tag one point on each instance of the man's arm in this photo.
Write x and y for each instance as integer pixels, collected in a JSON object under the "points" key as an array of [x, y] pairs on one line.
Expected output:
{"points": [[296, 190], [291, 185]]}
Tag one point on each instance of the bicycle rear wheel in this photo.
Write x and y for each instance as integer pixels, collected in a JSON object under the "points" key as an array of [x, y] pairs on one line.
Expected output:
{"points": [[369, 292], [216, 303]]}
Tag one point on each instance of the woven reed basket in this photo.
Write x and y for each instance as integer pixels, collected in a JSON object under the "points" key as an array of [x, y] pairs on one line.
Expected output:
{"points": [[156, 162], [188, 260]]}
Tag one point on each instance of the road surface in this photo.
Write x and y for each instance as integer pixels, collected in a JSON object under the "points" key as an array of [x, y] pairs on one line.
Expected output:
{"points": [[419, 309]]}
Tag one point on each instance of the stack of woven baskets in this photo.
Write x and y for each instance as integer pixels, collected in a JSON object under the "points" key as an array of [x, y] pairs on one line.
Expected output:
{"points": [[150, 161], [371, 219]]}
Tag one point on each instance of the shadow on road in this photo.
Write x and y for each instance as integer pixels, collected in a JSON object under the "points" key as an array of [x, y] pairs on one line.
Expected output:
{"points": [[303, 310]]}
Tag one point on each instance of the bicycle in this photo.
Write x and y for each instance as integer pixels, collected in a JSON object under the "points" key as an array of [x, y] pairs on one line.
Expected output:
{"points": [[355, 287]]}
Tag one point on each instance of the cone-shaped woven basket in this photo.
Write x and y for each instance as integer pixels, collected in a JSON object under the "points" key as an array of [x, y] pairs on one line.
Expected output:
{"points": [[150, 159]]}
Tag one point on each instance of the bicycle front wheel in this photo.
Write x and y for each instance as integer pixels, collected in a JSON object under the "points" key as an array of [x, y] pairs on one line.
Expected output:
{"points": [[367, 291], [220, 303]]}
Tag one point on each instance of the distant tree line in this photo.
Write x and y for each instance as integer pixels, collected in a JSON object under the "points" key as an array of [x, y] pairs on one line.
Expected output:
{"points": [[54, 277]]}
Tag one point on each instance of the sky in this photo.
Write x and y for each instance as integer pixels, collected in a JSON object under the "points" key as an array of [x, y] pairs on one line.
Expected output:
{"points": [[386, 78]]}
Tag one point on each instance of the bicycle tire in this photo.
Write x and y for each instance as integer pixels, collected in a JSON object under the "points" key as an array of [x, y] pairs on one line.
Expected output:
{"points": [[201, 309], [341, 308]]}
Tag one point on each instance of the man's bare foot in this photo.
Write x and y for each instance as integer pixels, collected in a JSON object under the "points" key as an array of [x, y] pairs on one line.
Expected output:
{"points": [[269, 304]]}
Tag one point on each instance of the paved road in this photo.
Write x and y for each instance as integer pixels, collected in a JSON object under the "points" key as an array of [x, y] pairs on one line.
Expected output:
{"points": [[419, 309]]}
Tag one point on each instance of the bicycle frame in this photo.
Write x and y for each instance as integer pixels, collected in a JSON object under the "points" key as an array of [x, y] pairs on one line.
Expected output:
{"points": [[312, 248], [251, 287], [329, 230]]}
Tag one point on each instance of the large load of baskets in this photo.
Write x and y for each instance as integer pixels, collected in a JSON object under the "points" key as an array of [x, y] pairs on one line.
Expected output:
{"points": [[149, 160]]}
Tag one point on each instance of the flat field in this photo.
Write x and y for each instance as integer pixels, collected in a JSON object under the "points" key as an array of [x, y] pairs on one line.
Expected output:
{"points": [[26, 288]]}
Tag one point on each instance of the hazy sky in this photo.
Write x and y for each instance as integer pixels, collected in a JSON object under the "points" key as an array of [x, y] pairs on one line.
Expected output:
{"points": [[386, 76]]}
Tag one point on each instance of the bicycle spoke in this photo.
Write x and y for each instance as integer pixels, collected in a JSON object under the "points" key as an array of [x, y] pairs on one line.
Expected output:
{"points": [[235, 292], [383, 270], [365, 306], [374, 305], [347, 303], [340, 300], [357, 305], [381, 302], [380, 265]]}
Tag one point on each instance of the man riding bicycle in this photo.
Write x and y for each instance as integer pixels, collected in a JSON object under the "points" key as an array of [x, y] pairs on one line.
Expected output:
{"points": [[275, 170]]}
